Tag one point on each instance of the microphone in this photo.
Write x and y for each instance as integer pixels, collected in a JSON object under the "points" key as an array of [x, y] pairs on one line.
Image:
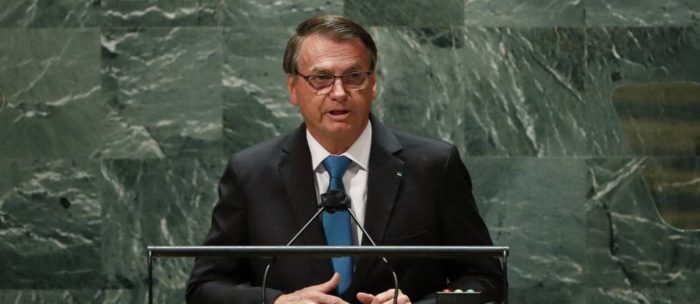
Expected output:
{"points": [[336, 201]]}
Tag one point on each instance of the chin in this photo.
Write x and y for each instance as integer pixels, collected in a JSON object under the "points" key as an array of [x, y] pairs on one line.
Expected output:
{"points": [[338, 127], [338, 131]]}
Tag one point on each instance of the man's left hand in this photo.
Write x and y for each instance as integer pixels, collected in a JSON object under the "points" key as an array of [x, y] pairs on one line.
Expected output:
{"points": [[386, 297]]}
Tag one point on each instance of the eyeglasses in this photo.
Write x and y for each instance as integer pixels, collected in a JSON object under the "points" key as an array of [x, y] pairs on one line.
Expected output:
{"points": [[323, 83]]}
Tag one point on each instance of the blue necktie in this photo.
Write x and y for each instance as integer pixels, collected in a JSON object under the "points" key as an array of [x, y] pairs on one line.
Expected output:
{"points": [[337, 225]]}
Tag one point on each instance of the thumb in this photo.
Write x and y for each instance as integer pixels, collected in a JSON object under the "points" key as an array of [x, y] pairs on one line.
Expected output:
{"points": [[329, 285]]}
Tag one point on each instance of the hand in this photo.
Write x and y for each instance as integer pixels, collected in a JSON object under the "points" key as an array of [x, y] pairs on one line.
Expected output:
{"points": [[316, 294], [386, 297]]}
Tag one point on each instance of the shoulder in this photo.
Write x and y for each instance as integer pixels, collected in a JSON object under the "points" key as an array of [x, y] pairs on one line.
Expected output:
{"points": [[413, 145], [261, 157], [414, 150], [431, 160], [262, 150], [427, 159], [405, 145]]}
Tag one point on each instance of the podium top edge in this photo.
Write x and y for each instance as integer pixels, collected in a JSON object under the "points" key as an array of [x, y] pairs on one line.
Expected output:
{"points": [[329, 251]]}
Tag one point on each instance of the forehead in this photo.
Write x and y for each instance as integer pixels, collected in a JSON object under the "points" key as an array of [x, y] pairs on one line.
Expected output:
{"points": [[318, 52]]}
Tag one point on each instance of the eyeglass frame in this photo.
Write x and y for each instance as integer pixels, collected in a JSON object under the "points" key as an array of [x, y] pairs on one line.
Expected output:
{"points": [[320, 91]]}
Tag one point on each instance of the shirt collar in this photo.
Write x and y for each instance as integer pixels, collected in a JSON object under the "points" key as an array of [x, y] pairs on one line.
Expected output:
{"points": [[358, 152]]}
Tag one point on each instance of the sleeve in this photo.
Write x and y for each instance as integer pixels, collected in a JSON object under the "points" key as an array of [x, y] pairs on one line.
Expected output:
{"points": [[226, 280], [461, 225]]}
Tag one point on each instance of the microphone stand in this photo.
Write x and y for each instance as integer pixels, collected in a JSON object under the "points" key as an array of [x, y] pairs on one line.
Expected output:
{"points": [[332, 201], [393, 273]]}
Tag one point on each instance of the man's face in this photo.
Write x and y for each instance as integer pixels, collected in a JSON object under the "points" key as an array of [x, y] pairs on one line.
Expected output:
{"points": [[339, 114]]}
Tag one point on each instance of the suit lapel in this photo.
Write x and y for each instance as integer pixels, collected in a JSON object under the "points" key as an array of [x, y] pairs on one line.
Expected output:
{"points": [[384, 179], [382, 186], [298, 179]]}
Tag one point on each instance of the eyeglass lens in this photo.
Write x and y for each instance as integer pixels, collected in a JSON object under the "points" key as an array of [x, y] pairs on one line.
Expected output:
{"points": [[351, 81]]}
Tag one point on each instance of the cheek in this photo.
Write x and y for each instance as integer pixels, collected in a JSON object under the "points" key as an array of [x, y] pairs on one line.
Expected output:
{"points": [[367, 101], [310, 108]]}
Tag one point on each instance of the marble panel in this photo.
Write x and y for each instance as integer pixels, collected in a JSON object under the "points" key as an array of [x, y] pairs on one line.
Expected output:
{"points": [[493, 91], [50, 218], [639, 258], [598, 238], [52, 296], [634, 255], [51, 104], [545, 229], [636, 13], [414, 13], [159, 203], [526, 13], [115, 13], [165, 85], [90, 296], [255, 87], [44, 14], [255, 14], [642, 57]]}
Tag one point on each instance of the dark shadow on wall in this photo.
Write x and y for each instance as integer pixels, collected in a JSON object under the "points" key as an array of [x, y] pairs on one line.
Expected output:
{"points": [[661, 121]]}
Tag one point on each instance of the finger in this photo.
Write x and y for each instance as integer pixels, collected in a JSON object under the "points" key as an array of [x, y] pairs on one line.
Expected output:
{"points": [[306, 295], [402, 299], [387, 297], [364, 298], [383, 297], [323, 298], [327, 286]]}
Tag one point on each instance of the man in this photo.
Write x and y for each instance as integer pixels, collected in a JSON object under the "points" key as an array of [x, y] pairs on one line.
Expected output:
{"points": [[407, 190]]}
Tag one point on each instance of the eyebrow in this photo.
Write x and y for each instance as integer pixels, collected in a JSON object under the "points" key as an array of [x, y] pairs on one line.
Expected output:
{"points": [[353, 68]]}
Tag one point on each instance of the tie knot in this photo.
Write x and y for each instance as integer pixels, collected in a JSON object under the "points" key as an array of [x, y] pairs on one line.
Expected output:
{"points": [[336, 165]]}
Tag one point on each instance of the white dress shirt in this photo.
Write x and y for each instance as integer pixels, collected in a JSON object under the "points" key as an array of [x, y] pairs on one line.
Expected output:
{"points": [[355, 178]]}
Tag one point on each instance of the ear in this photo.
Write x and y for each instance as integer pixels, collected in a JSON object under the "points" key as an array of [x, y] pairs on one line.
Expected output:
{"points": [[374, 86], [291, 89]]}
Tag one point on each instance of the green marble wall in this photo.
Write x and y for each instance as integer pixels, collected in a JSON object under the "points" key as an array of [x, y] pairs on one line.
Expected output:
{"points": [[117, 117]]}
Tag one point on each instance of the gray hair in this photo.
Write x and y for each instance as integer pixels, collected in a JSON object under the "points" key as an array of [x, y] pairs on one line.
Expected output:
{"points": [[336, 27]]}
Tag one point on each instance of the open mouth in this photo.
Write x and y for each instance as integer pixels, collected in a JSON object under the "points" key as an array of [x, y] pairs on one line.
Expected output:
{"points": [[338, 112], [338, 115]]}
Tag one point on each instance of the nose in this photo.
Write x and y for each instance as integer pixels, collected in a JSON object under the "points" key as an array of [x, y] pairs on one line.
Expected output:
{"points": [[338, 90]]}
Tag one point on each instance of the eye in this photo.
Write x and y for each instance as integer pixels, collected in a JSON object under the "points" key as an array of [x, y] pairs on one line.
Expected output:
{"points": [[354, 77], [321, 77]]}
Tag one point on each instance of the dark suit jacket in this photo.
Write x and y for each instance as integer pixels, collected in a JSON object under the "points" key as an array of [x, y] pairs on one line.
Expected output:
{"points": [[419, 193]]}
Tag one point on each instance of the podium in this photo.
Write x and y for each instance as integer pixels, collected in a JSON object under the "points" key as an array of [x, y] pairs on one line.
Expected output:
{"points": [[438, 252]]}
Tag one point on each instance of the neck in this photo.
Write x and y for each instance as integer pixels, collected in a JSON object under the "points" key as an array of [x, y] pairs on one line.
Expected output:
{"points": [[337, 143]]}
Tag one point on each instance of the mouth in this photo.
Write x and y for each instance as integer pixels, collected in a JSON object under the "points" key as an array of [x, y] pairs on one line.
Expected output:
{"points": [[338, 114]]}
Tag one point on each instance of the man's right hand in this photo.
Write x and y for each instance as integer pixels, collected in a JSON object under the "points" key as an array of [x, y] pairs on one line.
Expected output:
{"points": [[316, 294]]}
